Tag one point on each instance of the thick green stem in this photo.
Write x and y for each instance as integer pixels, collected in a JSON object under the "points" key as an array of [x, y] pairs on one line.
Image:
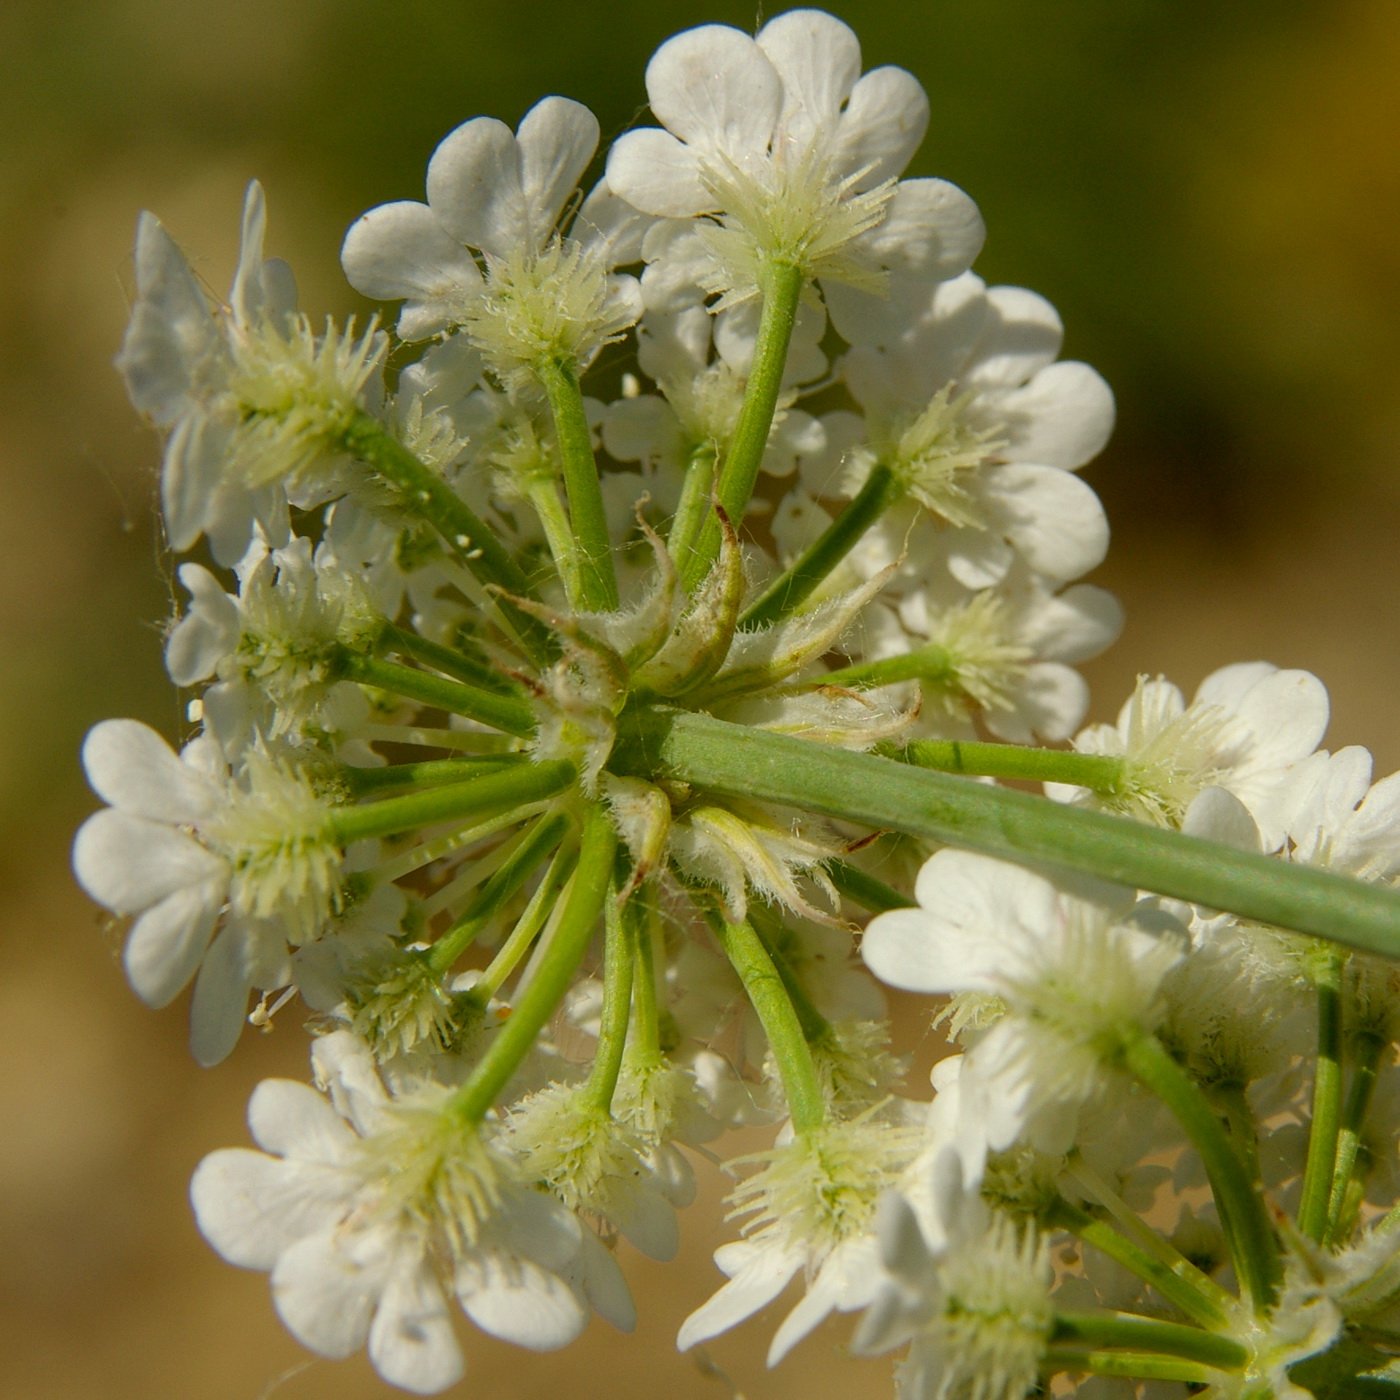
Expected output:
{"points": [[767, 994], [1101, 772], [502, 712], [538, 1002], [530, 922], [1234, 1103], [619, 966], [1132, 1365], [590, 522], [529, 852], [528, 782], [1367, 1048], [646, 1018], [1149, 1334], [1327, 1094], [363, 782], [736, 761], [1243, 1212], [696, 491], [1201, 1305], [425, 493], [805, 574], [781, 290], [446, 659], [543, 495], [770, 929]]}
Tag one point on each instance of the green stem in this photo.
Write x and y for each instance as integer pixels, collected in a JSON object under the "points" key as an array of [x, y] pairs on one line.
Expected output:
{"points": [[619, 965], [448, 660], [538, 1002], [530, 922], [1198, 1304], [425, 493], [1132, 1365], [696, 491], [800, 580], [528, 782], [814, 1025], [736, 761], [1145, 1238], [529, 852], [1368, 1047], [781, 290], [598, 583], [363, 782], [1327, 1095], [1101, 772], [543, 494], [646, 1018], [1134, 1333], [1234, 1103], [768, 995], [1243, 1212], [503, 712], [865, 890]]}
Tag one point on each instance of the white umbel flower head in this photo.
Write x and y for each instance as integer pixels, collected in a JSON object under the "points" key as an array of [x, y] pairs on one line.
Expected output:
{"points": [[371, 1211], [787, 155], [252, 396], [189, 849], [543, 294]]}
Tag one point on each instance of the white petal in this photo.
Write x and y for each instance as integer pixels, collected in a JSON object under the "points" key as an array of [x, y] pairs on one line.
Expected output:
{"points": [[171, 333], [133, 768], [978, 558], [206, 634], [193, 492], [658, 174], [557, 139], [847, 1280], [650, 1225], [1054, 520], [1075, 625], [220, 1000], [1229, 685], [605, 1285], [882, 126], [402, 250], [168, 941], [129, 864], [1051, 705], [247, 295], [292, 1120], [1021, 337], [411, 1341], [519, 1302], [933, 229], [1218, 815], [252, 1207], [643, 429], [713, 87], [1062, 418], [344, 1067], [1288, 713], [611, 225], [818, 59], [767, 1273], [324, 1297], [474, 187]]}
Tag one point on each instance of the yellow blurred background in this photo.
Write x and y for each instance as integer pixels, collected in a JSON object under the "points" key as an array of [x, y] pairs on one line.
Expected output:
{"points": [[1210, 194]]}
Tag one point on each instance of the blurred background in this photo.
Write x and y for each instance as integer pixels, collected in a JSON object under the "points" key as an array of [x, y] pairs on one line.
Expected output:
{"points": [[1211, 195]]}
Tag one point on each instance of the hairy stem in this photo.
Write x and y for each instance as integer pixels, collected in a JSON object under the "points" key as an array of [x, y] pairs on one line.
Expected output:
{"points": [[538, 1002], [1326, 970], [448, 660], [597, 581], [1148, 1334], [1133, 1365], [530, 922], [1367, 1047], [364, 782], [619, 968], [1101, 772], [503, 712], [696, 491]]}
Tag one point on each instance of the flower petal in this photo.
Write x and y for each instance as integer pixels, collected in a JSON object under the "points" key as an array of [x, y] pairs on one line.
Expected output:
{"points": [[766, 1273], [557, 138], [933, 230], [658, 174], [411, 1341], [128, 864], [403, 250], [252, 1207], [206, 634], [519, 1302], [220, 1000], [475, 188], [713, 87], [168, 941], [1021, 336], [1054, 520], [130, 766], [324, 1296], [291, 1119], [882, 126], [1062, 418], [818, 59]]}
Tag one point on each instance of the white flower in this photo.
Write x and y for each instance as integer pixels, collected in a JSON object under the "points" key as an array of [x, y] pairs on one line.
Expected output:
{"points": [[369, 1210], [274, 648], [795, 157], [1341, 820], [813, 1208], [1247, 728], [968, 407], [1076, 983], [969, 1288], [251, 396], [502, 194], [188, 849]]}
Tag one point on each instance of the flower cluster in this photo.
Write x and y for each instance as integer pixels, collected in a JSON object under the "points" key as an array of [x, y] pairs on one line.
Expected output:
{"points": [[551, 750]]}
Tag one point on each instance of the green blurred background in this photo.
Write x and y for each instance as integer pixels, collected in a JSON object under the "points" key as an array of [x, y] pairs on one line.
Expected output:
{"points": [[1209, 192]]}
